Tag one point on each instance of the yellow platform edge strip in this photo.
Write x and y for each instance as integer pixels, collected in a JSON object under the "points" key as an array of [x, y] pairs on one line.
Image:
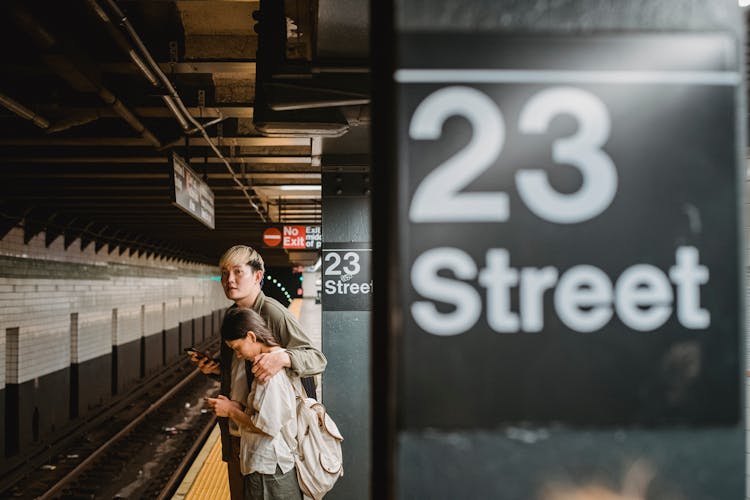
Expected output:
{"points": [[207, 477]]}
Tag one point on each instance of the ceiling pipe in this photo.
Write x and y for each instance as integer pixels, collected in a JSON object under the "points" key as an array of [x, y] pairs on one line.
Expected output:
{"points": [[45, 40], [24, 112], [169, 101], [127, 115], [122, 41], [177, 101], [78, 119], [207, 124], [128, 48]]}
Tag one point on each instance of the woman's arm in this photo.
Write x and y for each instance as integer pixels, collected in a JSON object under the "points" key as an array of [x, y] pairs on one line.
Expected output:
{"points": [[224, 407]]}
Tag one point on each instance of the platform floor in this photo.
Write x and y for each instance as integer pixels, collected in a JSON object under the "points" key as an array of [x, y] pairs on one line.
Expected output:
{"points": [[207, 477]]}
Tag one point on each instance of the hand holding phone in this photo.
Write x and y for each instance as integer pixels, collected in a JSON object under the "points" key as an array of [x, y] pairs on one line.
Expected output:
{"points": [[198, 354], [206, 362]]}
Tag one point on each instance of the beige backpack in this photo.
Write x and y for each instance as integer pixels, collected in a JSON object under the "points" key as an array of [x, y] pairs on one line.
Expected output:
{"points": [[317, 457]]}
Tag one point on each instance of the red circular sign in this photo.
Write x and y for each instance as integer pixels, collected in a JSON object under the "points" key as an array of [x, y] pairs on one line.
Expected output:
{"points": [[272, 237]]}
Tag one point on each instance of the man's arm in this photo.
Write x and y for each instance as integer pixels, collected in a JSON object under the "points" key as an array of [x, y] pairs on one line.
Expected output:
{"points": [[301, 358], [305, 360]]}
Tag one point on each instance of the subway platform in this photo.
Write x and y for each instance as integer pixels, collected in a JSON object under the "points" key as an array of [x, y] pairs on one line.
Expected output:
{"points": [[207, 477]]}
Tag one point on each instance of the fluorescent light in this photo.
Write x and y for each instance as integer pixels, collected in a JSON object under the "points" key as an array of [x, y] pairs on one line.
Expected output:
{"points": [[299, 187], [744, 3]]}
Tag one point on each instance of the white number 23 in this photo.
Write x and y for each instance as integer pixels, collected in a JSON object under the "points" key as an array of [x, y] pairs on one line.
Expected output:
{"points": [[438, 197]]}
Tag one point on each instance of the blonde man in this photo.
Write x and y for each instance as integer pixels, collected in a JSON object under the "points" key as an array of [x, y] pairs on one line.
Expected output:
{"points": [[242, 272]]}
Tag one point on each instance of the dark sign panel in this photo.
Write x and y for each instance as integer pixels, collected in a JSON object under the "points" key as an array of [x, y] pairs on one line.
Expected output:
{"points": [[346, 282], [190, 193], [571, 238]]}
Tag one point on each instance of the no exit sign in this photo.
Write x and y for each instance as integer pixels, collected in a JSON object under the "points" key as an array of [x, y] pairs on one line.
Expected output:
{"points": [[293, 237]]}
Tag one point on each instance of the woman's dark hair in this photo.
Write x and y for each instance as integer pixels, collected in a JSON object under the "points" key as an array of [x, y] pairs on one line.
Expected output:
{"points": [[239, 320]]}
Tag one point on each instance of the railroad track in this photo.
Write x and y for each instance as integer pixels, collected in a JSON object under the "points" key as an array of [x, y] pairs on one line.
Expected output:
{"points": [[138, 448]]}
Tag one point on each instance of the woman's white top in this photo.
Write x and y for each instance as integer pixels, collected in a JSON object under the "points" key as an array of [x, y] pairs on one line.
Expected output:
{"points": [[272, 408]]}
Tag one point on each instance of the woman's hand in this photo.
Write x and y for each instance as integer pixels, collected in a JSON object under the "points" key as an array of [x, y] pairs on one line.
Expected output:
{"points": [[223, 406]]}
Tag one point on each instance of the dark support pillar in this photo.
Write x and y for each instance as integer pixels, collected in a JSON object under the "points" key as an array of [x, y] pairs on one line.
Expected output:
{"points": [[12, 435], [346, 302], [486, 391], [3, 424]]}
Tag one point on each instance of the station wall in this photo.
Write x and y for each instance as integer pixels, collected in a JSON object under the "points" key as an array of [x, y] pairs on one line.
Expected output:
{"points": [[79, 326]]}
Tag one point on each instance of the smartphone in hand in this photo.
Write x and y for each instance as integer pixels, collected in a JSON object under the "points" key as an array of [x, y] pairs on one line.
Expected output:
{"points": [[193, 350]]}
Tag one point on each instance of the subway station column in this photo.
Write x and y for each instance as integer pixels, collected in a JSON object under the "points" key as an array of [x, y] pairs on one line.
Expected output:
{"points": [[558, 189], [346, 300]]}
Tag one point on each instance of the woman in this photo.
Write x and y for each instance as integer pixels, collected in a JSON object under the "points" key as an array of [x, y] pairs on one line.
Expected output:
{"points": [[268, 419]]}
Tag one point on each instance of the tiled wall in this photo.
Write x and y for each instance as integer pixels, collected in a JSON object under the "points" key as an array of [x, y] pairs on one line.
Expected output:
{"points": [[94, 337], [72, 305], [153, 318], [171, 313], [128, 324]]}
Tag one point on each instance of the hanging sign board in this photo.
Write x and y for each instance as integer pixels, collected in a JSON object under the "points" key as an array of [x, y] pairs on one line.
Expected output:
{"points": [[293, 237], [190, 193], [570, 236]]}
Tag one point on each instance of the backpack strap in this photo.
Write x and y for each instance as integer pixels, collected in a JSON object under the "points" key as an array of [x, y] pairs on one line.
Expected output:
{"points": [[300, 392], [308, 383]]}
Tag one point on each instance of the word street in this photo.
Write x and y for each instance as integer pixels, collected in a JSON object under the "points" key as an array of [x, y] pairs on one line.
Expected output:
{"points": [[333, 286], [584, 297]]}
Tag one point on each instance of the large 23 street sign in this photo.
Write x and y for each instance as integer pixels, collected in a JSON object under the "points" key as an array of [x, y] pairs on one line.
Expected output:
{"points": [[572, 238]]}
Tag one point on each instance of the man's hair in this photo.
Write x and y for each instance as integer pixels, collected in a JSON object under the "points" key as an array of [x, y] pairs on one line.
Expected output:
{"points": [[239, 320], [242, 254]]}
